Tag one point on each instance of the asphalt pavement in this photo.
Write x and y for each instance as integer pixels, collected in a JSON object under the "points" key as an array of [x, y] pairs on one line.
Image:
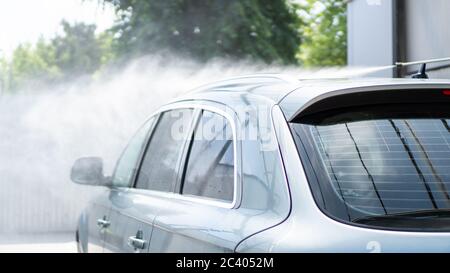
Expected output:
{"points": [[38, 243]]}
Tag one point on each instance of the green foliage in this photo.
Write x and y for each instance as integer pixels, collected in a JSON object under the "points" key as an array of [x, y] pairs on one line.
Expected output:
{"points": [[261, 30], [105, 41], [312, 33], [77, 52], [3, 75], [324, 34], [29, 64]]}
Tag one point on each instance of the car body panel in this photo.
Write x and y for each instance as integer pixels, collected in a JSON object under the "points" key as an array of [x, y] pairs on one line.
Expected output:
{"points": [[91, 235], [130, 214], [308, 94], [274, 209]]}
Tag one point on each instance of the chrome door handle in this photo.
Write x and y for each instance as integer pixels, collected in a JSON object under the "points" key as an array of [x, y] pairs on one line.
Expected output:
{"points": [[103, 223], [137, 242]]}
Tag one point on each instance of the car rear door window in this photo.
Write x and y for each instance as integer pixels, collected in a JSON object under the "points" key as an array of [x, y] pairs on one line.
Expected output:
{"points": [[159, 166], [209, 169]]}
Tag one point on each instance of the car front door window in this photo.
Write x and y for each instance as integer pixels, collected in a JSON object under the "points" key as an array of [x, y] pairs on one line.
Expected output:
{"points": [[159, 167], [127, 164]]}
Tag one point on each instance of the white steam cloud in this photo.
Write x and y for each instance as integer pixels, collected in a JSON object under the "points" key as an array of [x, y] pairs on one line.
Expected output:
{"points": [[42, 132]]}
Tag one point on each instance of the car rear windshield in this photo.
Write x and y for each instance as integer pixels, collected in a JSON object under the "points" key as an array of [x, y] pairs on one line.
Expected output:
{"points": [[382, 166]]}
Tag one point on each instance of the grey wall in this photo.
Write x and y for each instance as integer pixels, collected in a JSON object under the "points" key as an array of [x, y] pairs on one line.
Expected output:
{"points": [[381, 32], [427, 32], [370, 33]]}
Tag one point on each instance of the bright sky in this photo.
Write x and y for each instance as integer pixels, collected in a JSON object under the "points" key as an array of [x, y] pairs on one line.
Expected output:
{"points": [[26, 20]]}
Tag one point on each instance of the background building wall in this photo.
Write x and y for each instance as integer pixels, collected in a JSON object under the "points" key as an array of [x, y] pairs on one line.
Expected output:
{"points": [[382, 32], [427, 32], [370, 26]]}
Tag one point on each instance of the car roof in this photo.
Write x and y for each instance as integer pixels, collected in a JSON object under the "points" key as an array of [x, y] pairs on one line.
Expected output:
{"points": [[293, 93], [270, 87]]}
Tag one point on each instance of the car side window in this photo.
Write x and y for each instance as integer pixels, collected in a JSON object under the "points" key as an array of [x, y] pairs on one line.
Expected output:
{"points": [[127, 163], [210, 164], [159, 166]]}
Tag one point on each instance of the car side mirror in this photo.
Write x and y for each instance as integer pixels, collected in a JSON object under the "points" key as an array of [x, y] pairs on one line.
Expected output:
{"points": [[89, 171]]}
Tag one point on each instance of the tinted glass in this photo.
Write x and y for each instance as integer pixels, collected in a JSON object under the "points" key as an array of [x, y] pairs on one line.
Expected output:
{"points": [[389, 172], [159, 167], [127, 164], [210, 164]]}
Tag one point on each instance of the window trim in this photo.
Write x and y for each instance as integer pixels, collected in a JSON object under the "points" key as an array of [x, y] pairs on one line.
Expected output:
{"points": [[175, 193]]}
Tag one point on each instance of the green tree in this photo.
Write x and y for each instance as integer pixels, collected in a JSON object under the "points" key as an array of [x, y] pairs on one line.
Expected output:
{"points": [[105, 41], [261, 30], [30, 64], [77, 51], [3, 74], [324, 33]]}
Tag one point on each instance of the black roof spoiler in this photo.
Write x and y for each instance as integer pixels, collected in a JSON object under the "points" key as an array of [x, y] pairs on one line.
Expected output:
{"points": [[350, 98]]}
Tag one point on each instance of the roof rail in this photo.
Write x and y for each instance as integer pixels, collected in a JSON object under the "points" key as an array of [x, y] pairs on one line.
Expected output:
{"points": [[277, 76], [421, 74], [247, 79]]}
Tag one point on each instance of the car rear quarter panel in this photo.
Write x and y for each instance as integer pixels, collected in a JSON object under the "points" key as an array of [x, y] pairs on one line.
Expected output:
{"points": [[308, 229]]}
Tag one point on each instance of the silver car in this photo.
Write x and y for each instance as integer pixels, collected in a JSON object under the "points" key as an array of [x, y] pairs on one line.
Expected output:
{"points": [[269, 163]]}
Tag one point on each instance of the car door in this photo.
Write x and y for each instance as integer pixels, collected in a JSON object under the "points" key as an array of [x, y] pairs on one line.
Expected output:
{"points": [[118, 199], [133, 210], [130, 230], [96, 217], [202, 218]]}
